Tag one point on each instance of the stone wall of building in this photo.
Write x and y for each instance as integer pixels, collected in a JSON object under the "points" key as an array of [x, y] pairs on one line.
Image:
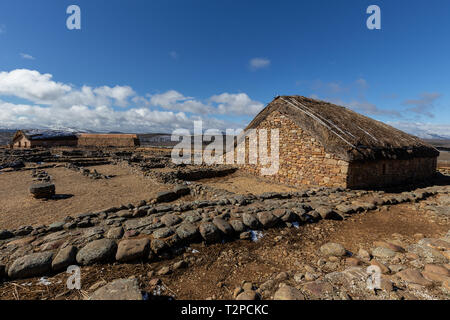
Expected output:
{"points": [[381, 173], [303, 160]]}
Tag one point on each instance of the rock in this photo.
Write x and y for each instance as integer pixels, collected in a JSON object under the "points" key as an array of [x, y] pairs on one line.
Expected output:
{"points": [[42, 190], [382, 267], [434, 268], [2, 271], [267, 219], [187, 232], [57, 226], [64, 258], [383, 253], [166, 196], [430, 254], [125, 213], [364, 254], [432, 276], [180, 265], [333, 249], [133, 250], [318, 289], [288, 293], [237, 225], [328, 213], [163, 233], [223, 226], [120, 289], [346, 209], [5, 234], [115, 233], [413, 276], [164, 271], [35, 264], [181, 190], [209, 232], [246, 235], [353, 262], [250, 221], [388, 245], [97, 251], [248, 295], [170, 219], [158, 245]]}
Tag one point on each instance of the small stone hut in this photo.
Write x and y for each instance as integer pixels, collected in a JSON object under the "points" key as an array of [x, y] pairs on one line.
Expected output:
{"points": [[25, 139], [108, 140], [322, 144]]}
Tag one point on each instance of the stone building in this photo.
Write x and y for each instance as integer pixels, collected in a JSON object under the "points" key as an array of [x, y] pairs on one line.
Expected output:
{"points": [[25, 139], [322, 144], [108, 140]]}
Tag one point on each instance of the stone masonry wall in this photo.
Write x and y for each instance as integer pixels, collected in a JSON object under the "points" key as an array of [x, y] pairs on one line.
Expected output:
{"points": [[382, 173], [303, 160]]}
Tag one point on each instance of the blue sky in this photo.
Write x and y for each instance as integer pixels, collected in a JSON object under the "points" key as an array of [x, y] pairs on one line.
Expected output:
{"points": [[157, 65]]}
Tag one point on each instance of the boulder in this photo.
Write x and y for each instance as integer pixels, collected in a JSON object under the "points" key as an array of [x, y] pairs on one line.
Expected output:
{"points": [[170, 219], [64, 258], [5, 234], [267, 219], [133, 250], [209, 232], [181, 190], [333, 249], [250, 221], [120, 289], [237, 225], [187, 232], [35, 264], [166, 196], [97, 251], [223, 226], [288, 293]]}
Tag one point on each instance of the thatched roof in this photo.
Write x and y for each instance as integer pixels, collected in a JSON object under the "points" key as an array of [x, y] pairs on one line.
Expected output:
{"points": [[345, 133], [108, 136], [37, 134]]}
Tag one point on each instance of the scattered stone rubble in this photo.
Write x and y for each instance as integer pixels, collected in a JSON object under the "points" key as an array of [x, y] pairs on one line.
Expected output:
{"points": [[93, 174]]}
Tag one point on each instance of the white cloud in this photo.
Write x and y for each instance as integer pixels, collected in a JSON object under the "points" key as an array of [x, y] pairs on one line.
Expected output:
{"points": [[41, 89], [237, 104], [424, 130], [56, 104], [259, 63], [27, 56], [423, 105]]}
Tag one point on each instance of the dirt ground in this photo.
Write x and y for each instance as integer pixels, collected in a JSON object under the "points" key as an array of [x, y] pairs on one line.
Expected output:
{"points": [[242, 183], [83, 194], [218, 269]]}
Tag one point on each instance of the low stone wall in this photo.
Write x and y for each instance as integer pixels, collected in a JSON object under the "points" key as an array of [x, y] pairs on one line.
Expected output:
{"points": [[151, 232]]}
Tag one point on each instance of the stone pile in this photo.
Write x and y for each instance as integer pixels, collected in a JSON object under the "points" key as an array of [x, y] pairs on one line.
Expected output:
{"points": [[93, 174]]}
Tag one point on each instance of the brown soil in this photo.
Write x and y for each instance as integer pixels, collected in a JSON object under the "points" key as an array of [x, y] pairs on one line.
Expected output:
{"points": [[84, 194], [220, 268], [243, 183]]}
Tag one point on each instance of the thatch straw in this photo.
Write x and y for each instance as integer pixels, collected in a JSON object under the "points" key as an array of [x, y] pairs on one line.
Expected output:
{"points": [[345, 133]]}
